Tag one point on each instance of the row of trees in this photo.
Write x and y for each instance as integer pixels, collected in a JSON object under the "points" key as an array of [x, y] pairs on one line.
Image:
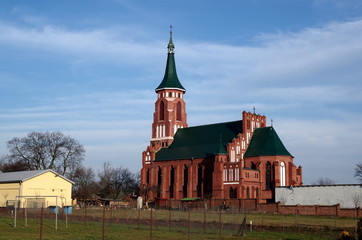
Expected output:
{"points": [[112, 183], [65, 155]]}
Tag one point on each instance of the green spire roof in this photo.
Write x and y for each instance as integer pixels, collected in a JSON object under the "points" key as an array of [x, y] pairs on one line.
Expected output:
{"points": [[170, 80], [200, 141], [221, 149], [265, 142]]}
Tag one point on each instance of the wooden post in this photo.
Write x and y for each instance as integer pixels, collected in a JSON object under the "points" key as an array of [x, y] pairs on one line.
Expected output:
{"points": [[41, 222], [220, 224], [169, 220], [104, 216], [204, 220], [189, 223], [151, 224]]}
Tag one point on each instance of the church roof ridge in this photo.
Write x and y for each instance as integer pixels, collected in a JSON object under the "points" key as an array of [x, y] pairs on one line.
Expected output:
{"points": [[210, 124], [200, 141]]}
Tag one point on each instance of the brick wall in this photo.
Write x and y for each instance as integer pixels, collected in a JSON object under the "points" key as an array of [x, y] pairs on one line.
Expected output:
{"points": [[252, 205]]}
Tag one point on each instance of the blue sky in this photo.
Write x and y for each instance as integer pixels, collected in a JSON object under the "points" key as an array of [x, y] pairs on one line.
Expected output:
{"points": [[89, 69]]}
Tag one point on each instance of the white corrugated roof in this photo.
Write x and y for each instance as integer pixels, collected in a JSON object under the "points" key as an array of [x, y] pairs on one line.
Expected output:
{"points": [[21, 176]]}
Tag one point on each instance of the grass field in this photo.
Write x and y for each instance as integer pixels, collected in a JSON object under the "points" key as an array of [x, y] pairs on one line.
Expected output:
{"points": [[132, 224], [93, 230], [227, 217]]}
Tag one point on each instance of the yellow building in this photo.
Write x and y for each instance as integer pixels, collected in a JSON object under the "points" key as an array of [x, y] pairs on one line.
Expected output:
{"points": [[34, 189]]}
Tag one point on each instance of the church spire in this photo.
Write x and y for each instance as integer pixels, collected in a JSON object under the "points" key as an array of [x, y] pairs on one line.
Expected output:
{"points": [[170, 80]]}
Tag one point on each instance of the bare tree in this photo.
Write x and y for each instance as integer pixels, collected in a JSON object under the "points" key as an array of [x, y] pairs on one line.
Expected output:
{"points": [[323, 181], [49, 150], [358, 172], [356, 199], [85, 185], [117, 182]]}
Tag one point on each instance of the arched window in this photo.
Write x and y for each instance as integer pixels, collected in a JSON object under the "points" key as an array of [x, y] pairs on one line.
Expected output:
{"points": [[247, 192], [172, 181], [186, 180], [148, 176], [282, 174], [162, 111], [199, 181], [159, 182], [268, 176], [178, 111], [232, 157], [233, 192], [257, 192]]}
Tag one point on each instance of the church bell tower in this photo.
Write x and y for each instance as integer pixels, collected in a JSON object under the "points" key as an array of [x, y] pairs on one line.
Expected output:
{"points": [[170, 108]]}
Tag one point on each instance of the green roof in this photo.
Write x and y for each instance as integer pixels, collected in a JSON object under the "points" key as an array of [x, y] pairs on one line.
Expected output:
{"points": [[265, 142], [170, 80], [200, 141]]}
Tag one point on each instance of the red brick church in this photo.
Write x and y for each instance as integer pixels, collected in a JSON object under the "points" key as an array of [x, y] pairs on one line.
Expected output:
{"points": [[243, 159]]}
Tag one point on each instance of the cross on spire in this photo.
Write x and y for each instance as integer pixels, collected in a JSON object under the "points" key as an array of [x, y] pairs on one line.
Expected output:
{"points": [[171, 46]]}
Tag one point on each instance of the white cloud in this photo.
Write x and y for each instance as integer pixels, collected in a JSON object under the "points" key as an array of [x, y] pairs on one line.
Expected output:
{"points": [[116, 44]]}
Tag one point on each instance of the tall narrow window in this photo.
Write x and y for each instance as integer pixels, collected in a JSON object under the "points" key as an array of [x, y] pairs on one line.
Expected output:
{"points": [[232, 155], [178, 111], [268, 176], [199, 181], [159, 182], [148, 176], [186, 181], [247, 192], [231, 174], [282, 174], [237, 178], [172, 182], [225, 175], [162, 111]]}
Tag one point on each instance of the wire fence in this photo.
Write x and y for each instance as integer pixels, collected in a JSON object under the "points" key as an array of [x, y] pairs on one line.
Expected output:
{"points": [[131, 223]]}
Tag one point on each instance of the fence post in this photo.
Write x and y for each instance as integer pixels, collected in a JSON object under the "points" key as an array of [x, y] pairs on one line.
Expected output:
{"points": [[26, 213], [204, 220], [110, 214], [139, 218], [104, 215], [85, 213], [189, 223], [41, 222], [169, 219], [151, 225], [220, 224], [56, 213], [15, 214]]}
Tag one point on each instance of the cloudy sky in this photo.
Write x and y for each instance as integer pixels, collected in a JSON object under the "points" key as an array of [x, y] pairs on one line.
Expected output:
{"points": [[89, 68]]}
